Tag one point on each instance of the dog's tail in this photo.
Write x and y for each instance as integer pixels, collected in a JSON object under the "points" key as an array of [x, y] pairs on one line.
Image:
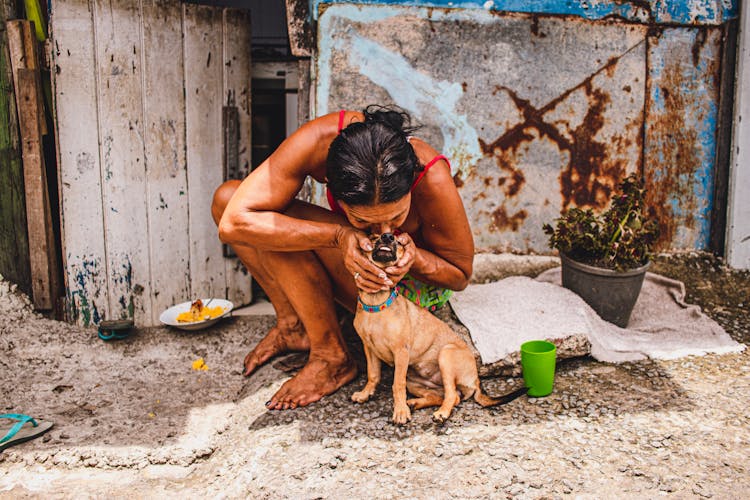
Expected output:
{"points": [[485, 400]]}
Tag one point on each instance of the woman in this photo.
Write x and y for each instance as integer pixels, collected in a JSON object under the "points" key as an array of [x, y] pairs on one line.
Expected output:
{"points": [[379, 180]]}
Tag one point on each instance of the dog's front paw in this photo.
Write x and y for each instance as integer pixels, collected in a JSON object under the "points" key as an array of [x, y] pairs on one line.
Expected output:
{"points": [[361, 396], [401, 414]]}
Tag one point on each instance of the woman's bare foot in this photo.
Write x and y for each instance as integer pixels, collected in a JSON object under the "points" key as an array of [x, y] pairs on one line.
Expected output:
{"points": [[279, 340], [321, 376]]}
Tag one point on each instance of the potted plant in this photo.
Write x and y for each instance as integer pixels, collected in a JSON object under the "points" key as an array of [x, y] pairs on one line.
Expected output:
{"points": [[605, 256]]}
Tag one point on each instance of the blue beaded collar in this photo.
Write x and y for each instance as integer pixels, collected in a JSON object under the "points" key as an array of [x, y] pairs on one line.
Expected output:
{"points": [[379, 307]]}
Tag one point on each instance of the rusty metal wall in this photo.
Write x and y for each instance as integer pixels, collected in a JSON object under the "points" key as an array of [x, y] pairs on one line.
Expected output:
{"points": [[542, 111], [680, 140]]}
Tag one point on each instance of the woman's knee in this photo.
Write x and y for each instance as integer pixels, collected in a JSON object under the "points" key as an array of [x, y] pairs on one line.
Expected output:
{"points": [[222, 195]]}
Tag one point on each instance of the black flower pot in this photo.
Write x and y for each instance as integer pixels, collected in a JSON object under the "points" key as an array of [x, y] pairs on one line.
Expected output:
{"points": [[612, 294]]}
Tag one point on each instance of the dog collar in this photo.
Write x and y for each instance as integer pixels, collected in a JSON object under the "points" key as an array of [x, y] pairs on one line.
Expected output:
{"points": [[379, 307]]}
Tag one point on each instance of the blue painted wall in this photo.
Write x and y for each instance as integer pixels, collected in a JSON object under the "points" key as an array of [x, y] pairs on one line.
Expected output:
{"points": [[687, 12]]}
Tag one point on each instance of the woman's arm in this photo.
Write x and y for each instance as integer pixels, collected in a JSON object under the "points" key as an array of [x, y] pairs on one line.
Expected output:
{"points": [[446, 255], [254, 216]]}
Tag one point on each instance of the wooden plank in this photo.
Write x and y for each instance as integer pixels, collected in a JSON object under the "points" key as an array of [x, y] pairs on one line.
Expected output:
{"points": [[202, 28], [82, 220], [44, 266], [237, 76], [24, 52], [41, 241], [14, 248], [119, 72], [21, 45], [164, 105]]}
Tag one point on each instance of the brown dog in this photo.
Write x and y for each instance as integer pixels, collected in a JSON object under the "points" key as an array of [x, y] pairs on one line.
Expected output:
{"points": [[430, 360]]}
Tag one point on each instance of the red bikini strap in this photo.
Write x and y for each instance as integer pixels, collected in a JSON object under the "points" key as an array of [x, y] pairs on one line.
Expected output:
{"points": [[335, 207], [341, 120], [427, 167]]}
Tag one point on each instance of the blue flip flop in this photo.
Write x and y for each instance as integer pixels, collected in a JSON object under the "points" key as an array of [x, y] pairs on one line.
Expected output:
{"points": [[116, 329], [24, 429]]}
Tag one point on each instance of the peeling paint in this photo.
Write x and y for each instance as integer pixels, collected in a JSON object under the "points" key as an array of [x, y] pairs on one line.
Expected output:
{"points": [[81, 295], [681, 127], [689, 12], [415, 91], [84, 162], [122, 279]]}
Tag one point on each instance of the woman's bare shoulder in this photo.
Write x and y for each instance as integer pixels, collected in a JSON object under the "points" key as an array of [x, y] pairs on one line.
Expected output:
{"points": [[322, 130], [304, 152], [424, 151], [439, 171]]}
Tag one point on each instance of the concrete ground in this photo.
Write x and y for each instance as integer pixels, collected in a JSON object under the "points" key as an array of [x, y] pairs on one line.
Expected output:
{"points": [[133, 418]]}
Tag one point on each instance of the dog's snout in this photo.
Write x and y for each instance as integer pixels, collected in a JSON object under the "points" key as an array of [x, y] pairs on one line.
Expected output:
{"points": [[385, 248]]}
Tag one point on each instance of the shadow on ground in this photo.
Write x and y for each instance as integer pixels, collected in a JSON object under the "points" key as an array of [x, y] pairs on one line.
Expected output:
{"points": [[138, 391]]}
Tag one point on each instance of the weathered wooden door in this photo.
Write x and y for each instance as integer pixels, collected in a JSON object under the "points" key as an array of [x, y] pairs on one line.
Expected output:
{"points": [[140, 87]]}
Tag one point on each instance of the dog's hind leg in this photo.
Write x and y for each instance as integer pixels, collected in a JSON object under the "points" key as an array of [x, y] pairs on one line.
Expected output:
{"points": [[425, 397], [449, 361]]}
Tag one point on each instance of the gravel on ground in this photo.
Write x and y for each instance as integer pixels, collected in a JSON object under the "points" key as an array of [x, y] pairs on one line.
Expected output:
{"points": [[133, 418]]}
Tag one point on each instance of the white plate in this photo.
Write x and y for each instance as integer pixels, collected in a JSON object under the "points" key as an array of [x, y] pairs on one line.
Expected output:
{"points": [[169, 317]]}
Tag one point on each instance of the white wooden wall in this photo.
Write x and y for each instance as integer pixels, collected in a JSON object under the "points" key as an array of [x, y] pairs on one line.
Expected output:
{"points": [[139, 90], [738, 209]]}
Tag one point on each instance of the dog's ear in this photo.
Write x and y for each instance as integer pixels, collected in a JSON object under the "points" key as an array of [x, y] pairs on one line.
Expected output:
{"points": [[399, 250]]}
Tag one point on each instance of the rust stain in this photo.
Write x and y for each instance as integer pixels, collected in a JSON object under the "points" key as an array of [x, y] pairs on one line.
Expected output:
{"points": [[594, 169], [698, 44], [590, 175], [671, 177], [535, 27], [502, 221], [458, 181], [611, 66], [673, 165]]}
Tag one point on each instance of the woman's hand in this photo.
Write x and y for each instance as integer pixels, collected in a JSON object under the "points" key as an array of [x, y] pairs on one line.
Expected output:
{"points": [[397, 272], [367, 275]]}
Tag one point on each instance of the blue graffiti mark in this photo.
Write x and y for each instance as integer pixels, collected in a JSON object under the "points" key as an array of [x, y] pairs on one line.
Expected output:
{"points": [[81, 306], [413, 90], [689, 12], [124, 277]]}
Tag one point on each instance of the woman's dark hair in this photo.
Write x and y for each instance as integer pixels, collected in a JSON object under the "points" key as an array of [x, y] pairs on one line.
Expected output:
{"points": [[372, 162]]}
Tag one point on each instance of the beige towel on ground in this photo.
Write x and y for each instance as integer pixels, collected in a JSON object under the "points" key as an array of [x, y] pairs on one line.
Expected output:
{"points": [[502, 315]]}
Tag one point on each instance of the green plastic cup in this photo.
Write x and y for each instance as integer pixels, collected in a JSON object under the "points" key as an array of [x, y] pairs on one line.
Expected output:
{"points": [[538, 364]]}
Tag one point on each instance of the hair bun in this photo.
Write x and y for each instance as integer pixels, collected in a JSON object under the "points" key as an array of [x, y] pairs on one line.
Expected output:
{"points": [[393, 116]]}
